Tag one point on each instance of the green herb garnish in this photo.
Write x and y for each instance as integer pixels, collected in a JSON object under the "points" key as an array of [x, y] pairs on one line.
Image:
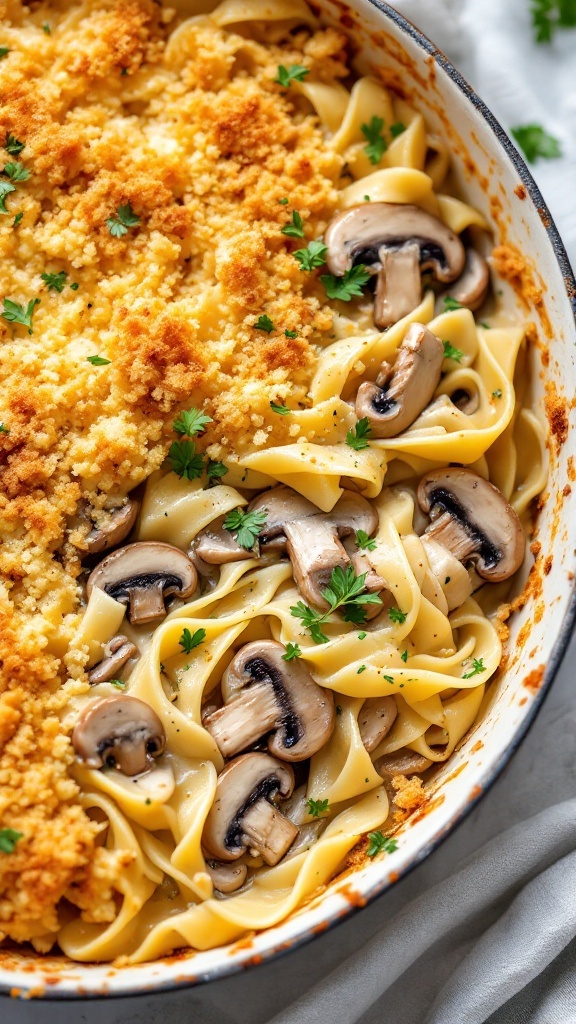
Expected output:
{"points": [[397, 616], [215, 470], [364, 540], [8, 839], [346, 590], [55, 281], [291, 334], [294, 73], [380, 843], [15, 313], [3, 429], [4, 51], [292, 651], [295, 229], [264, 323], [282, 410], [357, 437], [16, 172], [12, 145], [317, 807], [125, 218], [376, 142], [118, 684], [452, 353], [185, 461], [497, 393], [451, 304], [535, 142], [188, 641], [247, 526], [5, 189], [548, 15], [313, 256], [17, 219], [396, 129], [98, 361], [191, 422], [404, 656], [477, 667], [346, 287]]}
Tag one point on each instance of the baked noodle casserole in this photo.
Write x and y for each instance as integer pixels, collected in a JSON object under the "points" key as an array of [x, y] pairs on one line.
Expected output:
{"points": [[267, 462]]}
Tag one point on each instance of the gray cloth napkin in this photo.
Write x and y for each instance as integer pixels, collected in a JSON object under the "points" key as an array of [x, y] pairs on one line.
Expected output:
{"points": [[484, 932]]}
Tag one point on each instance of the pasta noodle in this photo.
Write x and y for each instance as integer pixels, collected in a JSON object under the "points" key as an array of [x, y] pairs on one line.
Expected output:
{"points": [[413, 640]]}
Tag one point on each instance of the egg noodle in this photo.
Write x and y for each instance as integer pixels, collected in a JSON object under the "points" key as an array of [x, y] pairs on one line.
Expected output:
{"points": [[435, 663]]}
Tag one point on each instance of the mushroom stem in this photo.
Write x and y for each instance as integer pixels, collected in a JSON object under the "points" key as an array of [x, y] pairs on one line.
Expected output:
{"points": [[268, 831], [452, 534], [147, 603], [226, 878], [324, 553], [120, 651], [398, 285], [244, 720]]}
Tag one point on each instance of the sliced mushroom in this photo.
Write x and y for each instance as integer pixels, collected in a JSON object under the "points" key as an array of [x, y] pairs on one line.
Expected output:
{"points": [[263, 692], [243, 815], [121, 731], [403, 388], [376, 718], [113, 532], [217, 546], [471, 288], [472, 519], [453, 578], [403, 762], [142, 576], [396, 242], [226, 877], [118, 651], [468, 401]]}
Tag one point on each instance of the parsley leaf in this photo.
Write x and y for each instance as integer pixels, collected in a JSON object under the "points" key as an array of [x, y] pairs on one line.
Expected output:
{"points": [[344, 288], [8, 839], [12, 145], [246, 525], [282, 410], [313, 256], [291, 334], [477, 667], [312, 621], [295, 229], [396, 129], [404, 656], [361, 669], [5, 189], [4, 51], [15, 313], [397, 616], [357, 437], [452, 353], [16, 172], [376, 142], [17, 219], [97, 360], [117, 683], [548, 15], [215, 470], [295, 73], [185, 461], [74, 286], [380, 843], [317, 807], [283, 202], [264, 323], [125, 218], [364, 540], [345, 590], [46, 28], [191, 422], [55, 281], [451, 304], [188, 641], [292, 651], [535, 142]]}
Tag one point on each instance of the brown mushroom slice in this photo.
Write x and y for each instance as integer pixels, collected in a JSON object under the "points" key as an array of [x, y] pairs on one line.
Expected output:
{"points": [[226, 877], [121, 731], [465, 399], [452, 577], [113, 532], [403, 388], [243, 815], [142, 576], [217, 546], [397, 242], [263, 693], [471, 288], [119, 650], [402, 762], [472, 519], [376, 718]]}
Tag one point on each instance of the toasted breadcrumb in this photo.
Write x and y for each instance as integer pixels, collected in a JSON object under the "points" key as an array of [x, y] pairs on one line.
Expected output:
{"points": [[409, 795]]}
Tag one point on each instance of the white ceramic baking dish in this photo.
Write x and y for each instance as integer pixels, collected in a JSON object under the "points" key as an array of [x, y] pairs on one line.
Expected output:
{"points": [[494, 179]]}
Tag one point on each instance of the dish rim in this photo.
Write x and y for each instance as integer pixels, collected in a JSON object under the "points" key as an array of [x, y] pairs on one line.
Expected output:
{"points": [[231, 967]]}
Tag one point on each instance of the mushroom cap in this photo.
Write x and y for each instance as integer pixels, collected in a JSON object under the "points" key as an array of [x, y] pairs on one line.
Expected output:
{"points": [[401, 762], [120, 649], [121, 521], [121, 728], [245, 781], [226, 877], [376, 718], [472, 286], [405, 387], [302, 712], [361, 233], [217, 546], [473, 519], [142, 575]]}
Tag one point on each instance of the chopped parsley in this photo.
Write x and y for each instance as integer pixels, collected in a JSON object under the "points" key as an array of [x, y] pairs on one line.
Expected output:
{"points": [[389, 679], [497, 393], [291, 334], [477, 667], [363, 540], [377, 146], [3, 429], [188, 641], [185, 461], [98, 361], [313, 256], [5, 189], [294, 73], [74, 286], [397, 616], [282, 410], [215, 470], [451, 304], [357, 437], [284, 201], [535, 142], [125, 218], [191, 422], [361, 669], [379, 843], [15, 313], [295, 229], [55, 281], [16, 172], [4, 51], [46, 28], [346, 590], [317, 807], [12, 145], [452, 353], [362, 636], [548, 15], [17, 219], [292, 651], [346, 287], [396, 129], [264, 323], [245, 525], [404, 656], [8, 839], [118, 684]]}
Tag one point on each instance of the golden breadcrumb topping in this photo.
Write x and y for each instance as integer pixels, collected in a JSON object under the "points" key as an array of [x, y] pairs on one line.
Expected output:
{"points": [[104, 109]]}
